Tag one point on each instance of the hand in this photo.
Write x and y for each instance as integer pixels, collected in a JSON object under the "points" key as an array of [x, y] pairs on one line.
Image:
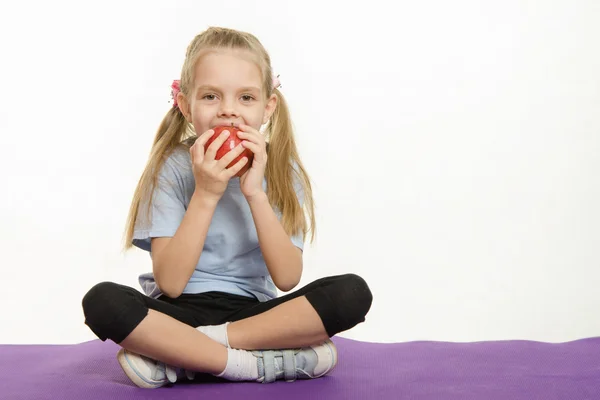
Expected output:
{"points": [[252, 180], [212, 175]]}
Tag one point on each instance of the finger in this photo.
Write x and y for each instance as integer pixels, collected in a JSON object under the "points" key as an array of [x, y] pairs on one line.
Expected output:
{"points": [[202, 139], [195, 155], [197, 149], [253, 147], [253, 137], [211, 151], [248, 128], [231, 172], [230, 156]]}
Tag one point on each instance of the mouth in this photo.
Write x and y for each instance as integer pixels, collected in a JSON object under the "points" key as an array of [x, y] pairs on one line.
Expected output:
{"points": [[233, 124]]}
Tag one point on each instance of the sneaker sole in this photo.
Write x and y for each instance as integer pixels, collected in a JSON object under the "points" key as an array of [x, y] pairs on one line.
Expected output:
{"points": [[133, 374]]}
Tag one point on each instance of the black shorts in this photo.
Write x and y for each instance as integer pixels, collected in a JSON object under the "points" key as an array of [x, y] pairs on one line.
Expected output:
{"points": [[112, 311]]}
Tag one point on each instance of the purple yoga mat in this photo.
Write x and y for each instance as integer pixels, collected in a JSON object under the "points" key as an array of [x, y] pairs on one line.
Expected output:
{"points": [[505, 370]]}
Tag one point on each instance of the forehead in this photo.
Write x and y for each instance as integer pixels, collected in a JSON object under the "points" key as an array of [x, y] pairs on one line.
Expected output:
{"points": [[227, 68]]}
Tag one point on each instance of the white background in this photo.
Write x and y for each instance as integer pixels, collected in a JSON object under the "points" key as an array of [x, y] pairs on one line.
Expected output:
{"points": [[454, 149]]}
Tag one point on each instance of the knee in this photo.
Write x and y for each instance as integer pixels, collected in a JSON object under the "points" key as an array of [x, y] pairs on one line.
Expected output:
{"points": [[100, 302], [356, 297]]}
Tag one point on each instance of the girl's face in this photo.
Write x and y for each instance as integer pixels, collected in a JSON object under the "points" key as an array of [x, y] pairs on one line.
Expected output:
{"points": [[227, 89]]}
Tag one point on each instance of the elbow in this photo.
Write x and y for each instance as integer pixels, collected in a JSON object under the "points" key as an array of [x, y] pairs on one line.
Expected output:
{"points": [[170, 292], [288, 283], [286, 286], [169, 289], [167, 285]]}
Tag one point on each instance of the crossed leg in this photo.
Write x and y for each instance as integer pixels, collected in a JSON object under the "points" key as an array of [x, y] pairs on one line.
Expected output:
{"points": [[302, 318]]}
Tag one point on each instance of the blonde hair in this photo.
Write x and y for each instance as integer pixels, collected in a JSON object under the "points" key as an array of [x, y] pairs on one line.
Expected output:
{"points": [[284, 167]]}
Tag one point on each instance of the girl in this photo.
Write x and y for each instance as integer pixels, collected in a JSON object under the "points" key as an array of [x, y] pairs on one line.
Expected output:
{"points": [[220, 245]]}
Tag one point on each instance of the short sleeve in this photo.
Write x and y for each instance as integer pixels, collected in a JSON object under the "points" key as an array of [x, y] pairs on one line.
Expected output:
{"points": [[167, 209], [298, 240]]}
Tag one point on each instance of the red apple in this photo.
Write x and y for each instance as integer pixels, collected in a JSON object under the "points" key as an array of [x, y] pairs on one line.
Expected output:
{"points": [[229, 144]]}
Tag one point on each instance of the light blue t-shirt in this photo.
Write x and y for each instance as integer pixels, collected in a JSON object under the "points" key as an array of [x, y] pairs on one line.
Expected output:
{"points": [[231, 260]]}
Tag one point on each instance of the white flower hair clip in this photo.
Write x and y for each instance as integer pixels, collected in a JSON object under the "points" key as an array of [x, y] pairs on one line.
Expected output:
{"points": [[276, 82]]}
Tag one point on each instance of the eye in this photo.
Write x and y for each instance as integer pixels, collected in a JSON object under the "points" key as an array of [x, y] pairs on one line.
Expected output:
{"points": [[247, 97], [209, 97]]}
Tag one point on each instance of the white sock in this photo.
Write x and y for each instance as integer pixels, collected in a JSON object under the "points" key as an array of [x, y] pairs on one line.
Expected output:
{"points": [[217, 333], [242, 365]]}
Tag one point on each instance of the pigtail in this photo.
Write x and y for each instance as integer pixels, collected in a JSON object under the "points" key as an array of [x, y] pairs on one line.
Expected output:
{"points": [[169, 135], [285, 171]]}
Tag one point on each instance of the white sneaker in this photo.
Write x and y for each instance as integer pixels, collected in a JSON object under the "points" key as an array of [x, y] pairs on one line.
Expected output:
{"points": [[305, 363], [148, 373]]}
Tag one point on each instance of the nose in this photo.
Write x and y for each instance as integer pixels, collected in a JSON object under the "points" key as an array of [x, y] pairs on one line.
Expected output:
{"points": [[228, 109]]}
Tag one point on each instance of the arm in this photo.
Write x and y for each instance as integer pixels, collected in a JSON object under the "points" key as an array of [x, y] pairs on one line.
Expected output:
{"points": [[283, 258], [174, 259]]}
